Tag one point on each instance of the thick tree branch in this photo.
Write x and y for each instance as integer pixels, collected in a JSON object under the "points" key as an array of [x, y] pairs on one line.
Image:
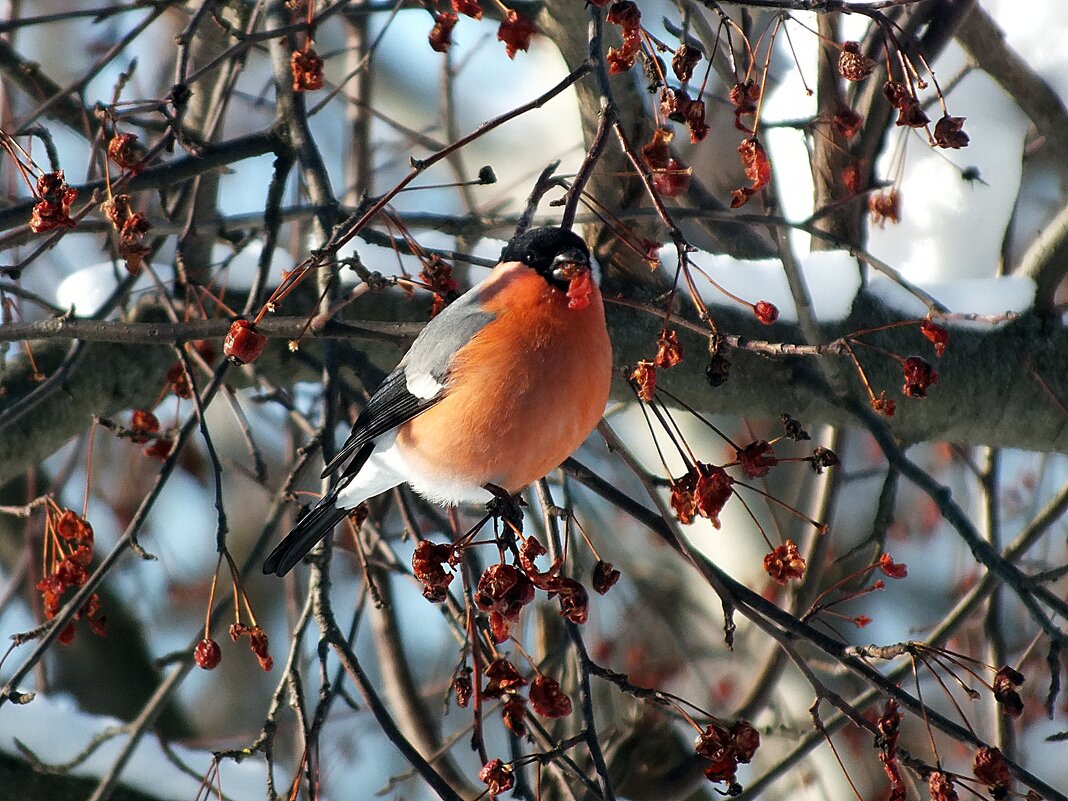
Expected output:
{"points": [[987, 394], [985, 43]]}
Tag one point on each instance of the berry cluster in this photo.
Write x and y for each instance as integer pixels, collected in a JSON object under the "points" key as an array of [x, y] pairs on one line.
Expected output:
{"points": [[68, 547]]}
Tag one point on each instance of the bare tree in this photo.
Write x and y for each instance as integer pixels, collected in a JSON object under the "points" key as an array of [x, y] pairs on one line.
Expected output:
{"points": [[767, 483]]}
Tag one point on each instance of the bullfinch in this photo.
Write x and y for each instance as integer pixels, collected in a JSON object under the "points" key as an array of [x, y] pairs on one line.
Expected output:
{"points": [[496, 391]]}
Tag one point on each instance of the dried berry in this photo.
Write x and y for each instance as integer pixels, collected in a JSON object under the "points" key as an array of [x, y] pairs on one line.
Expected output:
{"points": [[125, 152], [990, 768], [307, 69], [712, 491], [668, 350], [757, 167], [704, 491], [718, 370], [784, 563], [625, 14], [895, 570], [73, 527], [936, 334], [428, 565], [725, 748], [940, 786], [756, 458], [644, 379], [574, 600], [883, 405], [243, 343], [621, 59], [912, 115], [515, 31], [440, 36], [853, 176], [949, 132], [822, 458], [755, 161], [497, 777], [437, 275], [159, 449], [682, 497], [579, 290], [685, 59], [1006, 680], [502, 677], [469, 8], [207, 654], [852, 64], [744, 97], [672, 102], [70, 573], [884, 206], [131, 247], [66, 637], [794, 431], [899, 95], [54, 201], [694, 113], [529, 551], [503, 590], [514, 714], [604, 577], [919, 376], [670, 177], [461, 685], [143, 423], [548, 699], [745, 740], [257, 641], [889, 725]]}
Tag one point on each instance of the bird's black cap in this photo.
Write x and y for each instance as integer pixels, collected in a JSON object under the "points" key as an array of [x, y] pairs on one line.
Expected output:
{"points": [[539, 247]]}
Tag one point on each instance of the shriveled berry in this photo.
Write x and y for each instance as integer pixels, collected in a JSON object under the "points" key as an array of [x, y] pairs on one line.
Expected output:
{"points": [[852, 64], [718, 370], [684, 60], [936, 335], [207, 654], [124, 151], [515, 31], [548, 699], [949, 132], [919, 375], [144, 423], [307, 68], [604, 577], [440, 36]]}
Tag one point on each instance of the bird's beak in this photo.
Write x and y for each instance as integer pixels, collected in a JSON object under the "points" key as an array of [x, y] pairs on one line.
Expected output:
{"points": [[570, 264]]}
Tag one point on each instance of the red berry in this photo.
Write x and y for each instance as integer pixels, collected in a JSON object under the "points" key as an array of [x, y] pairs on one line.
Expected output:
{"points": [[243, 343], [766, 312], [207, 654], [936, 334], [144, 423]]}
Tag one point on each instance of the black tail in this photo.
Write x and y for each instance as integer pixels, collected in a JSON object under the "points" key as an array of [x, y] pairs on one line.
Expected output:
{"points": [[311, 528]]}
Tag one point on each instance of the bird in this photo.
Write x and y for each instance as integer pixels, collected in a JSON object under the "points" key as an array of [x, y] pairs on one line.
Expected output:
{"points": [[495, 392]]}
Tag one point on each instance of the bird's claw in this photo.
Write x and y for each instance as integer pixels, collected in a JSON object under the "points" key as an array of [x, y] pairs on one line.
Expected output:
{"points": [[506, 506]]}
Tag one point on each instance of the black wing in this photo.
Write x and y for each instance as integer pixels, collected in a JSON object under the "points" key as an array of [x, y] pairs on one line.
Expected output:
{"points": [[390, 406]]}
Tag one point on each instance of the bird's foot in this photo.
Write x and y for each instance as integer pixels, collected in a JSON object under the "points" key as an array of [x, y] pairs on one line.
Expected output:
{"points": [[506, 506]]}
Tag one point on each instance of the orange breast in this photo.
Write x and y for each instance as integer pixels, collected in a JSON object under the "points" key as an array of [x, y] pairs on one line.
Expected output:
{"points": [[522, 394]]}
